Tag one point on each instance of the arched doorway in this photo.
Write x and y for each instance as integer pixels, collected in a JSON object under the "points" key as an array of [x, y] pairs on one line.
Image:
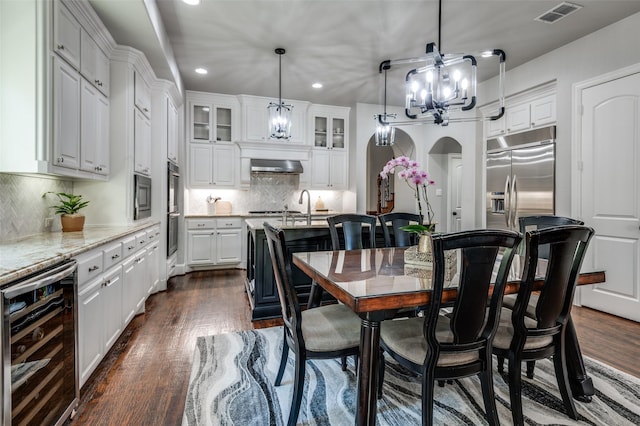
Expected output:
{"points": [[445, 167], [377, 157]]}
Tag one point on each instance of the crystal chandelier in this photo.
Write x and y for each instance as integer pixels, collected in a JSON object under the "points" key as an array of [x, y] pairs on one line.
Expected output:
{"points": [[438, 85], [280, 113]]}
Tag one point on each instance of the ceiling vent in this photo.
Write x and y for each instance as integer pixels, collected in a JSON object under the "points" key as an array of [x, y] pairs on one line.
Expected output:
{"points": [[558, 12]]}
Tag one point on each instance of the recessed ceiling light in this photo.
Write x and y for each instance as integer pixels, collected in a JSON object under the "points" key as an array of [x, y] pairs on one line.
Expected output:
{"points": [[192, 2], [317, 85], [201, 71]]}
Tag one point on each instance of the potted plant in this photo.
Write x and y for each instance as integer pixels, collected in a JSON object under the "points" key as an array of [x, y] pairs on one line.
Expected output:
{"points": [[68, 208]]}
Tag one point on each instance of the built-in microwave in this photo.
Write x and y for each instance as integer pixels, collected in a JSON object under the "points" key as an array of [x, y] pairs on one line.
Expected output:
{"points": [[141, 197]]}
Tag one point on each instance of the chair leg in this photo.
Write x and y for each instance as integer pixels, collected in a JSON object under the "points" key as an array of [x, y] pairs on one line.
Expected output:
{"points": [[531, 365], [500, 364], [562, 377], [298, 388], [283, 360], [515, 390], [486, 380], [428, 381], [344, 363]]}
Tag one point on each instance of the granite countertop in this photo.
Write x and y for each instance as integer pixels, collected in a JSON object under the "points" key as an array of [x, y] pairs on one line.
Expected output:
{"points": [[25, 256], [320, 214]]}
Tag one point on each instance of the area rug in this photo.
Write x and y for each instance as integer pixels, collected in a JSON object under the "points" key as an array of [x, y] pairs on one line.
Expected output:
{"points": [[232, 379]]}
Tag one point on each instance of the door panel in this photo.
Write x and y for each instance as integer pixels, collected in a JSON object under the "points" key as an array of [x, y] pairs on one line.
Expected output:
{"points": [[533, 181], [498, 180], [455, 194], [610, 199]]}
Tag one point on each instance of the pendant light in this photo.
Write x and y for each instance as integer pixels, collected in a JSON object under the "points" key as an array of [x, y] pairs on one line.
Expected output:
{"points": [[385, 134], [442, 85], [280, 113]]}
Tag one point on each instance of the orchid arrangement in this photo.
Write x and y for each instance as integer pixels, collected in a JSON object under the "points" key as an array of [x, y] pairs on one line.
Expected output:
{"points": [[418, 180]]}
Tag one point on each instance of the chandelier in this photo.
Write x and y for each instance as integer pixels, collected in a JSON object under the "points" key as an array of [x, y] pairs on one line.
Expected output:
{"points": [[438, 86], [280, 113]]}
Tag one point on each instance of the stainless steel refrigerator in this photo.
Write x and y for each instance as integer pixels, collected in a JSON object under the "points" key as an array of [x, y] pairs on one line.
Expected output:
{"points": [[520, 177]]}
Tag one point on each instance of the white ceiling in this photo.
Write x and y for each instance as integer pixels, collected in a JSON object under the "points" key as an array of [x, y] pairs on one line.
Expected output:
{"points": [[339, 43]]}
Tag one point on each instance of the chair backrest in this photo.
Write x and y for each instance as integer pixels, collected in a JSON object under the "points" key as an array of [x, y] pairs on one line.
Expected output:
{"points": [[567, 247], [281, 263], [479, 251], [391, 224], [530, 223], [352, 231]]}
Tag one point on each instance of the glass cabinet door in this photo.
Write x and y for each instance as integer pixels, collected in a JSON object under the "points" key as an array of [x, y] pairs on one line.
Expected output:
{"points": [[201, 123], [320, 132], [223, 124], [337, 136]]}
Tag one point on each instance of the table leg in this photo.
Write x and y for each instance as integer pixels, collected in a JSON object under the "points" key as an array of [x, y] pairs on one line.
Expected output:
{"points": [[581, 384], [368, 372]]}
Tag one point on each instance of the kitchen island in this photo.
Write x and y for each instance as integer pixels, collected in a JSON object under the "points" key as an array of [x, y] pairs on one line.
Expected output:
{"points": [[301, 236], [260, 283]]}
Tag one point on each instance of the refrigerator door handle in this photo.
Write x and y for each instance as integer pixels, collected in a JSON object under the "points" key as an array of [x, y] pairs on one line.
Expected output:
{"points": [[514, 196], [507, 201]]}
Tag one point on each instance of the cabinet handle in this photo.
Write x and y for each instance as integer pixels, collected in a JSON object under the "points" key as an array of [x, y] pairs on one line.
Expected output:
{"points": [[60, 160], [142, 241], [93, 268], [131, 247], [533, 124], [61, 47], [115, 256], [145, 109], [97, 82]]}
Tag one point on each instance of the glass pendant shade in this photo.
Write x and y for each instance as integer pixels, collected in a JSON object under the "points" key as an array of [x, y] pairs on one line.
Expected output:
{"points": [[385, 134], [279, 121]]}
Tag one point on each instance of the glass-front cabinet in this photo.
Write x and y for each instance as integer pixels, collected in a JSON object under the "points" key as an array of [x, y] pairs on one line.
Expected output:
{"points": [[329, 131], [212, 118]]}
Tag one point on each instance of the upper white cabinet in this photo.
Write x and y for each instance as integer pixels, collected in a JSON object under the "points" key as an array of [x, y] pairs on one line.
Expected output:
{"points": [[255, 116], [142, 94], [94, 130], [172, 131], [66, 35], [212, 166], [212, 118], [66, 115], [94, 64], [142, 142], [329, 133], [529, 110]]}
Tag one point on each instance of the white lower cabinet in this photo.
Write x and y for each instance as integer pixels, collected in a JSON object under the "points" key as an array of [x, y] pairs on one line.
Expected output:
{"points": [[113, 285], [212, 242]]}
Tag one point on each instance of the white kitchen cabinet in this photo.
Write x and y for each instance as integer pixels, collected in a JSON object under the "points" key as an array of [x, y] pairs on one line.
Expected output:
{"points": [[328, 126], [133, 278], [543, 111], [518, 118], [141, 94], [142, 142], [94, 64], [66, 115], [212, 165], [94, 130], [90, 333], [526, 111], [212, 119], [496, 127], [153, 259], [255, 116], [112, 302], [66, 35], [172, 132], [213, 242], [329, 169]]}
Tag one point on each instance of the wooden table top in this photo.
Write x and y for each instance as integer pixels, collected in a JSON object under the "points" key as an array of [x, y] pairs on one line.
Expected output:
{"points": [[379, 279]]}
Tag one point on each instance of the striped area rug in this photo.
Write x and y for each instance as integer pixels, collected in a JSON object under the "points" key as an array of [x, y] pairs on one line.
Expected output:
{"points": [[232, 379]]}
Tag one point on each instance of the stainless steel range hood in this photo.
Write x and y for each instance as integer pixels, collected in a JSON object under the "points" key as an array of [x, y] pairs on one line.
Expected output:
{"points": [[276, 166]]}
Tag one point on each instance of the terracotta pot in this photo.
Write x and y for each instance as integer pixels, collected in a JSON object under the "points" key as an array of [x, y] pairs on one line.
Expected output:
{"points": [[72, 222]]}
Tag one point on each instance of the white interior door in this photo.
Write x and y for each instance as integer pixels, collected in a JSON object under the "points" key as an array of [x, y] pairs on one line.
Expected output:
{"points": [[454, 224], [610, 192]]}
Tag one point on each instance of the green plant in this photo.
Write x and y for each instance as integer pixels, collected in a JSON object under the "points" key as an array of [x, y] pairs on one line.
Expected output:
{"points": [[69, 203]]}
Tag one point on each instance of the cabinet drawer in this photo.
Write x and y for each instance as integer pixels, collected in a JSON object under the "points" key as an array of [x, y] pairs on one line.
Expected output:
{"points": [[201, 224], [232, 222], [153, 234], [129, 246], [112, 255], [89, 266], [141, 239]]}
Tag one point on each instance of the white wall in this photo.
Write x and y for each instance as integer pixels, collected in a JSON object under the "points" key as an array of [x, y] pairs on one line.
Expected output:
{"points": [[609, 49]]}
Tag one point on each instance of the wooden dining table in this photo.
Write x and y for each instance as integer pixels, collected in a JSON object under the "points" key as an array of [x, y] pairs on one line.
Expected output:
{"points": [[377, 283]]}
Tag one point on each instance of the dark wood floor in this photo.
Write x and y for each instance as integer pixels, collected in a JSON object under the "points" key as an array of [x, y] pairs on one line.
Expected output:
{"points": [[143, 380]]}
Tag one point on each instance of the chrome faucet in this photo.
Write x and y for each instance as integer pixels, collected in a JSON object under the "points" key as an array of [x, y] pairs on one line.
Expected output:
{"points": [[308, 205]]}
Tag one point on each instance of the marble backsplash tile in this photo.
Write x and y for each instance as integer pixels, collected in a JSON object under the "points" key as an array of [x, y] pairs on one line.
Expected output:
{"points": [[23, 210]]}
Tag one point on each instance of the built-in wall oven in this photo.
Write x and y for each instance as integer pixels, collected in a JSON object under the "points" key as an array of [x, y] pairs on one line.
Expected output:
{"points": [[173, 209], [39, 347]]}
